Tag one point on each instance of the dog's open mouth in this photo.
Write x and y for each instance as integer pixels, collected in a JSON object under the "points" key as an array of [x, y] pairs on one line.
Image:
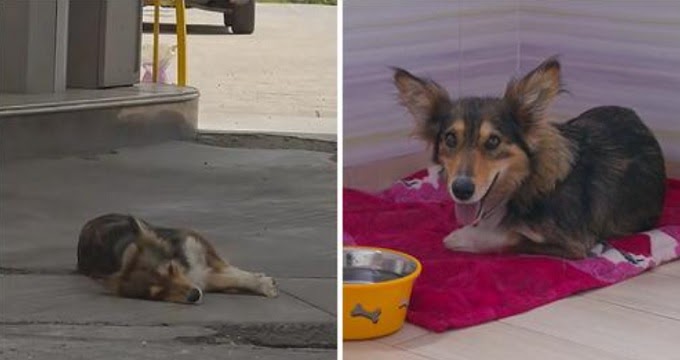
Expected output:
{"points": [[472, 214]]}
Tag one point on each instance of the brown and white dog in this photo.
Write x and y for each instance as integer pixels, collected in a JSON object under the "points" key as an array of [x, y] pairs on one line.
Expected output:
{"points": [[521, 183], [137, 260]]}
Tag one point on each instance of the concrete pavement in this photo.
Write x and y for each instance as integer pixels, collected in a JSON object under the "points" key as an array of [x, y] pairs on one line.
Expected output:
{"points": [[280, 79], [272, 211]]}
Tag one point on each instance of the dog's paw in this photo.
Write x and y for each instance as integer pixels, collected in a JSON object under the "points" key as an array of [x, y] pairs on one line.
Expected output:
{"points": [[268, 287], [477, 240], [456, 241]]}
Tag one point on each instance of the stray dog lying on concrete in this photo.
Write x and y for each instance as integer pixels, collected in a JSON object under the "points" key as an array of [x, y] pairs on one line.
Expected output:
{"points": [[137, 260]]}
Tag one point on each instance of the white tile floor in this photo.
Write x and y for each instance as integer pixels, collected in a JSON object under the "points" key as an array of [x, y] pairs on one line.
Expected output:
{"points": [[636, 319]]}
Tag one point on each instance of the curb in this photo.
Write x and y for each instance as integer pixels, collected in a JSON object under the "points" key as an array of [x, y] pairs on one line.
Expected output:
{"points": [[266, 141], [321, 335]]}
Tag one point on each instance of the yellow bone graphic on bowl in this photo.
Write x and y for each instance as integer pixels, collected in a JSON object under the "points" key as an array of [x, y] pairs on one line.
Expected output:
{"points": [[359, 310]]}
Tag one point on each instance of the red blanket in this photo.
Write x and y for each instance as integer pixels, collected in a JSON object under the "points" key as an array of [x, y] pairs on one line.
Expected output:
{"points": [[459, 289]]}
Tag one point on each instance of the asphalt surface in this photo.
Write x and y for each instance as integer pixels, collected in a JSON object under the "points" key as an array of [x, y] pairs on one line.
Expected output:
{"points": [[280, 79], [271, 211]]}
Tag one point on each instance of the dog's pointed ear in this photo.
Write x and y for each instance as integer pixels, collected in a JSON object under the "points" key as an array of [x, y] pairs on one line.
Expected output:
{"points": [[130, 256], [171, 269], [116, 281], [529, 97], [428, 102], [139, 227]]}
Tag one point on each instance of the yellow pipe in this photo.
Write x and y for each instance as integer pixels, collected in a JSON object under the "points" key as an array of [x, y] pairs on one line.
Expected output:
{"points": [[181, 43], [156, 31]]}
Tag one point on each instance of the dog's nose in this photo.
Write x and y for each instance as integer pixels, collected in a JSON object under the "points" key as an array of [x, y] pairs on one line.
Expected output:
{"points": [[195, 295], [463, 188]]}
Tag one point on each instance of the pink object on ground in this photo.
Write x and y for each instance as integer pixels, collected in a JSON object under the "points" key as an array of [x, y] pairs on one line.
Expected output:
{"points": [[459, 289]]}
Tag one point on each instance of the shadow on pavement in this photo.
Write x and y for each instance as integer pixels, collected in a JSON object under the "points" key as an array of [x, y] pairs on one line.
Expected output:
{"points": [[202, 29]]}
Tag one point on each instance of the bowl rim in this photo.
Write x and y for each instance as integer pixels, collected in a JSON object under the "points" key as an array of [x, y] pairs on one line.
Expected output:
{"points": [[408, 278]]}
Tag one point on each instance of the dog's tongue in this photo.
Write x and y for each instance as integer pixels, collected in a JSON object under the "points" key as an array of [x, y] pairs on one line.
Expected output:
{"points": [[466, 213]]}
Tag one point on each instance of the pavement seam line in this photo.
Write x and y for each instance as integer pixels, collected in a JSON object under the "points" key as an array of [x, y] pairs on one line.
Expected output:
{"points": [[4, 270], [307, 302]]}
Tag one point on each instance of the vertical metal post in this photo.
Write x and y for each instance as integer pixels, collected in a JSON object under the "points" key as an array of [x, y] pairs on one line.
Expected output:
{"points": [[181, 43], [156, 31], [61, 45]]}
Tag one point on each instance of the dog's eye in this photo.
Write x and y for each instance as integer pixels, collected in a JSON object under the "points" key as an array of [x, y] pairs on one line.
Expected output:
{"points": [[492, 142], [450, 140]]}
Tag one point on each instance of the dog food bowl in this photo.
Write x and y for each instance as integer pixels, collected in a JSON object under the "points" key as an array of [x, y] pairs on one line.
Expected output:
{"points": [[377, 286]]}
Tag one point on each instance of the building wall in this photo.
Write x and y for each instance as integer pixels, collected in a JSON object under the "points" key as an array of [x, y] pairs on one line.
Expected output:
{"points": [[626, 55], [612, 55], [466, 47]]}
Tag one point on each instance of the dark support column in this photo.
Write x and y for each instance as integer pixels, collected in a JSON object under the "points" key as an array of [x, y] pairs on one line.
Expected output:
{"points": [[33, 45]]}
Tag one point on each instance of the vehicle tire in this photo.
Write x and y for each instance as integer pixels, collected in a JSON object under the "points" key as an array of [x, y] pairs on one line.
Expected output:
{"points": [[228, 19], [243, 18]]}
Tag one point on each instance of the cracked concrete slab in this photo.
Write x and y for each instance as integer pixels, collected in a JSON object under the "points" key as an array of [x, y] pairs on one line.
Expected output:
{"points": [[321, 293], [78, 300], [104, 332], [271, 211], [265, 210], [59, 348]]}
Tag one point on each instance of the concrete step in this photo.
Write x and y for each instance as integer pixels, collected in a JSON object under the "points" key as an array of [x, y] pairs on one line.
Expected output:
{"points": [[80, 121]]}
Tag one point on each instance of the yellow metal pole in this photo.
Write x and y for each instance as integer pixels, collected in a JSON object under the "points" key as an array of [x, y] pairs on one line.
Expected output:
{"points": [[181, 43], [156, 31]]}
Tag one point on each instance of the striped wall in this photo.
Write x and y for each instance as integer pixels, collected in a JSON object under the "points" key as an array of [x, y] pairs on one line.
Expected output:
{"points": [[428, 38], [614, 53], [623, 52]]}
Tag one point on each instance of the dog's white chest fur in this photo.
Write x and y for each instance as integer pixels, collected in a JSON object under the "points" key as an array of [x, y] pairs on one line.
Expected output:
{"points": [[198, 268]]}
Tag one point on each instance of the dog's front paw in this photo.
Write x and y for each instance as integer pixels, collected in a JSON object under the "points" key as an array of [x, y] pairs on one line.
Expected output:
{"points": [[456, 241], [268, 287], [477, 240]]}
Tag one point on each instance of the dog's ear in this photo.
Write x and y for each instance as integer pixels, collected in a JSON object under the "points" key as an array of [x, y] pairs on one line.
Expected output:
{"points": [[129, 258], [428, 102], [139, 227], [173, 269], [529, 97], [127, 262], [170, 269]]}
